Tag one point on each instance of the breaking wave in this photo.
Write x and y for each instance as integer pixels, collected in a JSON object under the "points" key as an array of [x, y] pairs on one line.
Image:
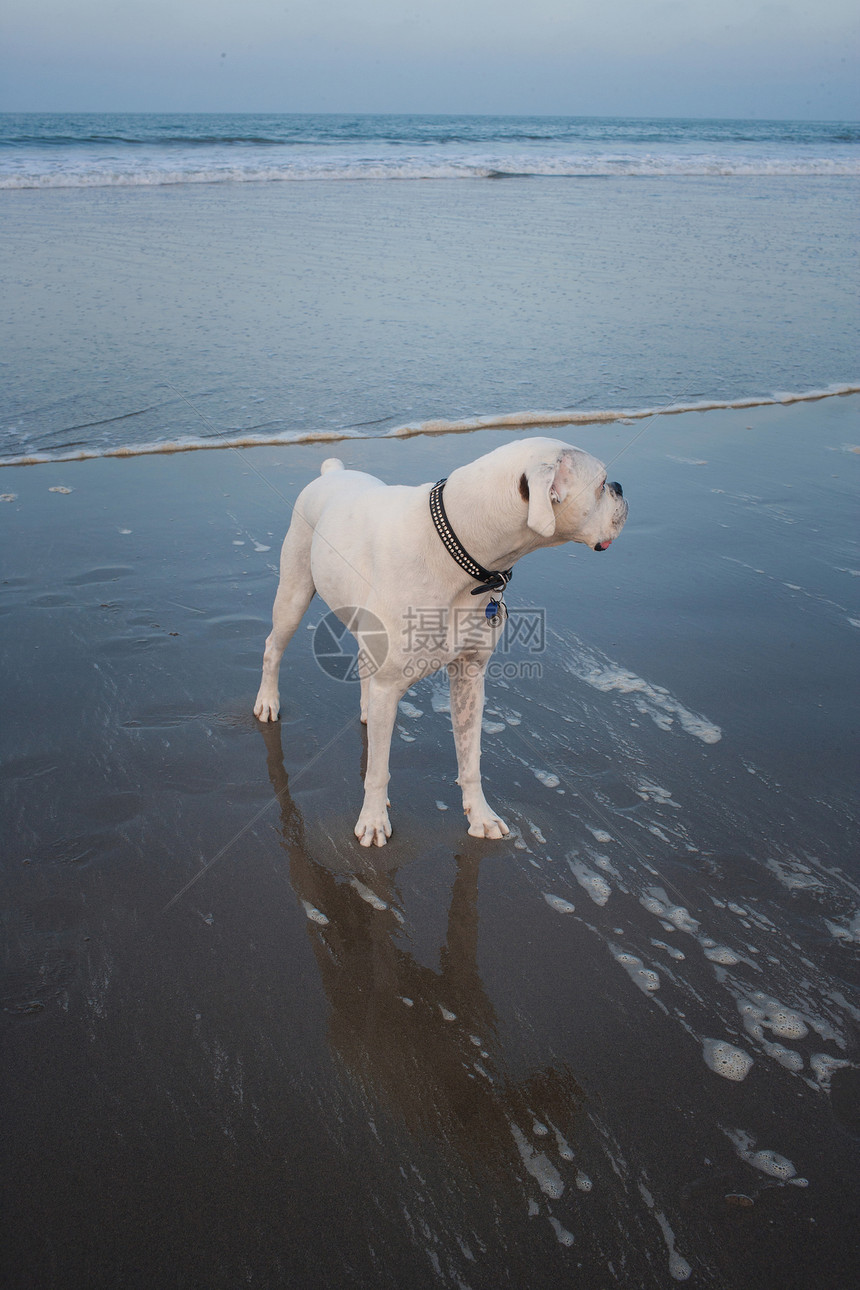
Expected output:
{"points": [[147, 172], [522, 420]]}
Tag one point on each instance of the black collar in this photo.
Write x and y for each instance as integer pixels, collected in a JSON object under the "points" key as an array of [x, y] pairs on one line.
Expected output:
{"points": [[490, 580]]}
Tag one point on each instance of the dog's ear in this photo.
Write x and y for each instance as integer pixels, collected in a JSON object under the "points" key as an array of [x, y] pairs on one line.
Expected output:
{"points": [[543, 484]]}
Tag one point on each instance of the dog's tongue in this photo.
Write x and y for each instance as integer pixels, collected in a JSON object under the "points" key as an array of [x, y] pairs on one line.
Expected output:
{"points": [[602, 546]]}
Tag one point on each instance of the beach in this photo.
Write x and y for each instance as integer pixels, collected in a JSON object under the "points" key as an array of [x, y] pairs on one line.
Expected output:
{"points": [[231, 1032], [617, 1048]]}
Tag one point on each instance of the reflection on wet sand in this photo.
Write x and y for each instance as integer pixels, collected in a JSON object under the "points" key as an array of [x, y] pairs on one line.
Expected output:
{"points": [[419, 1043]]}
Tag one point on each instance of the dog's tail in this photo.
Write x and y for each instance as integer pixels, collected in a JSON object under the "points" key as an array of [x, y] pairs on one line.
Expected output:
{"points": [[331, 463]]}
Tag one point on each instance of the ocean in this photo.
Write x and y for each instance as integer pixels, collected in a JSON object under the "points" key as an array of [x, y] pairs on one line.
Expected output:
{"points": [[176, 281]]}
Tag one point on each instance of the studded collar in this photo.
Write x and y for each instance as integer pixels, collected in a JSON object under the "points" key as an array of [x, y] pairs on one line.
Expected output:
{"points": [[489, 579]]}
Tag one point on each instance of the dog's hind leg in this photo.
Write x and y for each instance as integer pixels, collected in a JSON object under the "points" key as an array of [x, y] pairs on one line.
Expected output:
{"points": [[467, 710], [373, 827], [295, 593]]}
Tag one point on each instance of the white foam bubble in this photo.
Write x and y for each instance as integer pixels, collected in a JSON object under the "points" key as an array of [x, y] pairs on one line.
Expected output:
{"points": [[539, 1165], [760, 1012], [655, 793], [787, 1057], [794, 875], [824, 1066], [368, 896], [651, 700], [409, 710], [657, 902], [564, 1148], [593, 883], [643, 978], [679, 1268], [314, 914], [847, 930], [546, 778], [564, 1237], [725, 1059], [670, 950], [558, 903], [766, 1161], [721, 954]]}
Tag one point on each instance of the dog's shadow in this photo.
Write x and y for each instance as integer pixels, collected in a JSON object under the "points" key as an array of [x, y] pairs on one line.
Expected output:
{"points": [[421, 1042]]}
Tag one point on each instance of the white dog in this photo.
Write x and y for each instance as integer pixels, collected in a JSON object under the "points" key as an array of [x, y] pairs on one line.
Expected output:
{"points": [[380, 555]]}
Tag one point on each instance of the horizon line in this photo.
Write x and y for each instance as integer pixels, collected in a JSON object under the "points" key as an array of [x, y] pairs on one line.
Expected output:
{"points": [[567, 116]]}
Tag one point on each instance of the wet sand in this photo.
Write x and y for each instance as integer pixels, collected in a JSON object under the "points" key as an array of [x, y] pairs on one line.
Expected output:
{"points": [[240, 1050]]}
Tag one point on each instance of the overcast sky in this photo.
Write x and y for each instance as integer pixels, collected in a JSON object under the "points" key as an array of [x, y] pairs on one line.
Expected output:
{"points": [[735, 58]]}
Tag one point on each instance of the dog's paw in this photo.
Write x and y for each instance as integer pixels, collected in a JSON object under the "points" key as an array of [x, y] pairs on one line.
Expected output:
{"points": [[373, 828], [484, 823], [267, 707], [491, 827]]}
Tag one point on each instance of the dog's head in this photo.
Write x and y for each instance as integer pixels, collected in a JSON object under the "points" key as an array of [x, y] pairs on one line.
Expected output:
{"points": [[567, 494]]}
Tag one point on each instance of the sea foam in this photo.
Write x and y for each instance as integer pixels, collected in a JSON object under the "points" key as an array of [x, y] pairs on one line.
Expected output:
{"points": [[112, 172], [519, 420]]}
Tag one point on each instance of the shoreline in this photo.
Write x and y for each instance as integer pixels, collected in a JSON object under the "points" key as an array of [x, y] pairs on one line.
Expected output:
{"points": [[440, 426]]}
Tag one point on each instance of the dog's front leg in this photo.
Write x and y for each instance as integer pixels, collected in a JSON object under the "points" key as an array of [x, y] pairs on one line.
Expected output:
{"points": [[467, 711], [373, 827]]}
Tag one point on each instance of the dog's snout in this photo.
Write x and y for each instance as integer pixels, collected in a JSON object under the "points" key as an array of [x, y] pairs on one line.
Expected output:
{"points": [[616, 488]]}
